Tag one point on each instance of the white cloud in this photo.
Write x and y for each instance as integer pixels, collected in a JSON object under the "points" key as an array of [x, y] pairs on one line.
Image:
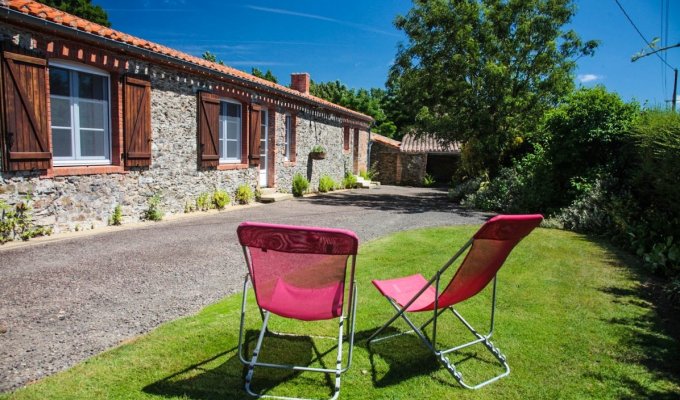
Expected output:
{"points": [[321, 18], [585, 78]]}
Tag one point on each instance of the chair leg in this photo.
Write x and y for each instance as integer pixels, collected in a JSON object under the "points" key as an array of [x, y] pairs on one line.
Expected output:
{"points": [[252, 363], [441, 355]]}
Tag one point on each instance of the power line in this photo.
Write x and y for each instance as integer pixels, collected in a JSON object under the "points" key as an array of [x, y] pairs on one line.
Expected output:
{"points": [[641, 35]]}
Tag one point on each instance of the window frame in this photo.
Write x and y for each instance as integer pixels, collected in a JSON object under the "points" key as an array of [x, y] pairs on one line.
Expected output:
{"points": [[288, 135], [77, 159], [223, 139]]}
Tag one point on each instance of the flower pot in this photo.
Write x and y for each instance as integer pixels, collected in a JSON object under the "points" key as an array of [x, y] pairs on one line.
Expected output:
{"points": [[317, 155]]}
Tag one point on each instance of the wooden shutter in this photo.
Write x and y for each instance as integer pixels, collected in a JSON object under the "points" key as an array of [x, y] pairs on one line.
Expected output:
{"points": [[24, 95], [137, 122], [208, 129], [255, 134], [346, 139], [293, 137]]}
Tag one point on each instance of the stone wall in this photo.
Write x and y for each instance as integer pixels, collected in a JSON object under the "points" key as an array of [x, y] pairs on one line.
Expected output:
{"points": [[397, 168], [87, 201]]}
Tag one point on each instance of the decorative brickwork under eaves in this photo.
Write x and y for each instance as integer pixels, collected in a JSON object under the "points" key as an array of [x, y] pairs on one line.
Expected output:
{"points": [[49, 14]]}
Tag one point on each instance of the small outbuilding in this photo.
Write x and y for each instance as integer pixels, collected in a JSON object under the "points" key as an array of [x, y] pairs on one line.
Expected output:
{"points": [[406, 162]]}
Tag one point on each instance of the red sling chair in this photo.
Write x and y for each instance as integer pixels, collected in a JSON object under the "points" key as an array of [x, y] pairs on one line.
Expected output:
{"points": [[299, 272], [489, 248]]}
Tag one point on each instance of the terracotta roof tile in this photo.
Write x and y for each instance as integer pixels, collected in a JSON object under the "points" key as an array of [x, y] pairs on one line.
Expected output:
{"points": [[39, 10], [411, 143], [385, 140]]}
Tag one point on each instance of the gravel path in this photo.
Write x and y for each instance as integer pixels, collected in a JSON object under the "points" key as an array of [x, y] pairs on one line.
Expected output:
{"points": [[63, 301]]}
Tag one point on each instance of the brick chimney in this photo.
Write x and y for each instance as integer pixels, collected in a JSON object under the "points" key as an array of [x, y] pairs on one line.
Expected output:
{"points": [[300, 82]]}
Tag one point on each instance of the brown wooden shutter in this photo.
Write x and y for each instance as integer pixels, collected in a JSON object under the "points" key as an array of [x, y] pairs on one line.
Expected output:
{"points": [[24, 95], [208, 129], [137, 122], [346, 139], [255, 134], [293, 137]]}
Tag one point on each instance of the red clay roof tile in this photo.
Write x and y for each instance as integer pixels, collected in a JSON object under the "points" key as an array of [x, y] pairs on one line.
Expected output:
{"points": [[411, 143], [58, 17]]}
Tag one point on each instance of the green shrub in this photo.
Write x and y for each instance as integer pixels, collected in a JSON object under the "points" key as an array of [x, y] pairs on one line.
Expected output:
{"points": [[204, 202], [326, 184], [258, 194], [318, 149], [17, 222], [428, 180], [244, 194], [117, 217], [371, 174], [154, 212], [349, 181], [220, 199], [300, 185]]}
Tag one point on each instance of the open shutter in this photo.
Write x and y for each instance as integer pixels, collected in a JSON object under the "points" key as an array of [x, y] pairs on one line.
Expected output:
{"points": [[255, 133], [137, 122], [208, 129], [24, 95]]}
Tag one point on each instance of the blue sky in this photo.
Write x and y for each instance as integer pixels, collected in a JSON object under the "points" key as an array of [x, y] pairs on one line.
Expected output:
{"points": [[355, 41]]}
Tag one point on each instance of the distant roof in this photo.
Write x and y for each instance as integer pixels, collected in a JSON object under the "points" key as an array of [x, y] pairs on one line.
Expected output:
{"points": [[385, 140], [58, 17], [411, 143]]}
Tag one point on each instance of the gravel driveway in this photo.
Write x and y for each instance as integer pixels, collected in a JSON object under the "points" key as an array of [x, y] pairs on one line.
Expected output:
{"points": [[63, 301]]}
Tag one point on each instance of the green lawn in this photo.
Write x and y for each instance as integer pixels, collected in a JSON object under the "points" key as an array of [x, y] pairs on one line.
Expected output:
{"points": [[574, 321]]}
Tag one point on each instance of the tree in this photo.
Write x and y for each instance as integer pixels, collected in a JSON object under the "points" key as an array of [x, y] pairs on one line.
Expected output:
{"points": [[81, 8], [483, 72], [212, 58], [369, 102], [266, 75]]}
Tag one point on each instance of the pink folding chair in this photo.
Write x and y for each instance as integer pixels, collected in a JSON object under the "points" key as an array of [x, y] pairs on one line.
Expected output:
{"points": [[299, 272], [489, 248]]}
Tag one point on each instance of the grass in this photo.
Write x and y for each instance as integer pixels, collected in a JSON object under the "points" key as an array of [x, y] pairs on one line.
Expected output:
{"points": [[574, 320]]}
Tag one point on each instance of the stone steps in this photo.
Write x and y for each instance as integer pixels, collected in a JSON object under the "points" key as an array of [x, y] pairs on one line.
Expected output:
{"points": [[365, 184], [271, 196]]}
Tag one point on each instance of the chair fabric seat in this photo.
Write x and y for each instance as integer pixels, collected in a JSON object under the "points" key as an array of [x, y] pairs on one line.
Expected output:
{"points": [[402, 290], [306, 304]]}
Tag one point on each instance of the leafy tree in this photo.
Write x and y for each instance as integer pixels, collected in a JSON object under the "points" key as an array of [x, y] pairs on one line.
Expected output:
{"points": [[483, 72], [81, 8], [367, 101], [267, 75], [212, 58]]}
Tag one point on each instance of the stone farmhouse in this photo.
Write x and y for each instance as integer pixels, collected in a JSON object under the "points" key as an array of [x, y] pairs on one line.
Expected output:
{"points": [[92, 118]]}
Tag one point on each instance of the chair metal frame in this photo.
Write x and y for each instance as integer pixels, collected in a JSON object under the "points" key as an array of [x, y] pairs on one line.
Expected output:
{"points": [[349, 313], [441, 354]]}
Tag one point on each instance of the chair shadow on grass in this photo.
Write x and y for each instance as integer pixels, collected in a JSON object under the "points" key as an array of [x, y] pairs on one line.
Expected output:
{"points": [[217, 379], [406, 357]]}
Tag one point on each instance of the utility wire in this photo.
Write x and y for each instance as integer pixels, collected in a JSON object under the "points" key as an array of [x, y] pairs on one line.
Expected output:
{"points": [[641, 35]]}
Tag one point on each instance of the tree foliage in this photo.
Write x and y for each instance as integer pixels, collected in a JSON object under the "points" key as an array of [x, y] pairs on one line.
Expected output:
{"points": [[367, 101], [211, 57], [483, 72], [264, 75], [81, 8]]}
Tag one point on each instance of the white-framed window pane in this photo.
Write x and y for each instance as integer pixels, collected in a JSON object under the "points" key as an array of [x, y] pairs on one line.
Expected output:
{"points": [[79, 105], [232, 151], [61, 142], [92, 143], [91, 115], [91, 86], [60, 109], [60, 82]]}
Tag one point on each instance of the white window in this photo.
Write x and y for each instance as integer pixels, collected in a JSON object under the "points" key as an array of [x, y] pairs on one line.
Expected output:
{"points": [[263, 137], [230, 132], [288, 137], [79, 105]]}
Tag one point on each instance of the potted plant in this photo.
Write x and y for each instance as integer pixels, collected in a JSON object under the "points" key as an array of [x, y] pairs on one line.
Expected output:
{"points": [[318, 152]]}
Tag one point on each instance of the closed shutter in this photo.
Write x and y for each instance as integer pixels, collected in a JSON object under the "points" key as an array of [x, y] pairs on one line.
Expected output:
{"points": [[346, 139], [293, 138], [208, 129], [137, 122], [255, 134], [24, 95]]}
